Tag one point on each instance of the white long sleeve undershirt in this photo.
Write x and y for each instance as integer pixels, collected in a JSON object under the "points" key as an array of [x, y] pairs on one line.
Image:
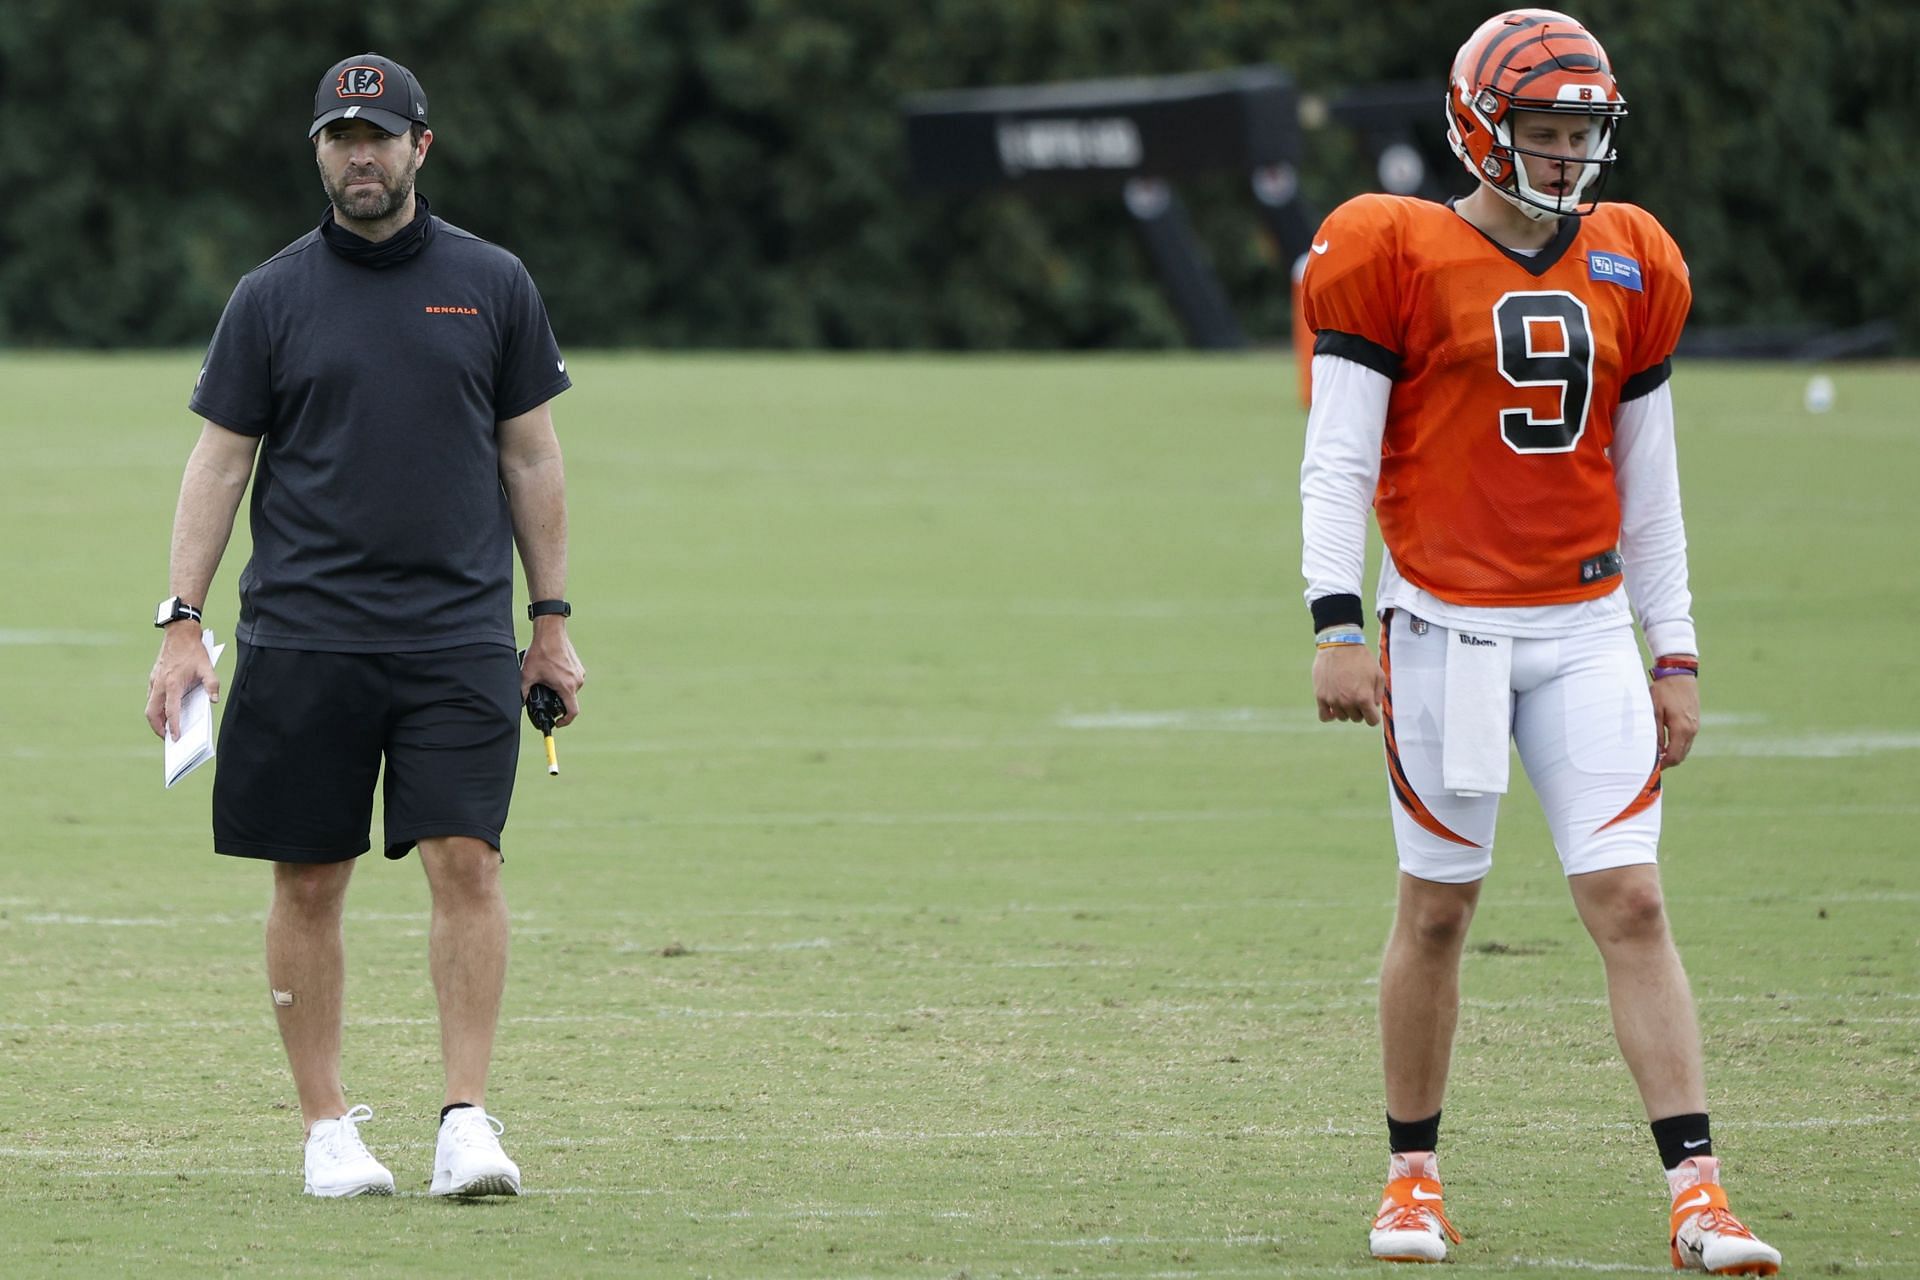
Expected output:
{"points": [[1342, 468]]}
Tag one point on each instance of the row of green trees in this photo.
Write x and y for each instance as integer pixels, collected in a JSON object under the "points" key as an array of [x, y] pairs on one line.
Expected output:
{"points": [[732, 172]]}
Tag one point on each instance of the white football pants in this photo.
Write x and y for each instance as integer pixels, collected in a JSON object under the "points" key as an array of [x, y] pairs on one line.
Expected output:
{"points": [[1583, 722]]}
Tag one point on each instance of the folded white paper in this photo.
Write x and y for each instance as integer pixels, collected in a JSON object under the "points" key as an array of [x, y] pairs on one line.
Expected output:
{"points": [[194, 747]]}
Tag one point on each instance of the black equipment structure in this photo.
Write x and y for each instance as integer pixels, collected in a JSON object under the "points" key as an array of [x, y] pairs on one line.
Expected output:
{"points": [[1139, 134], [1394, 120], [1401, 125]]}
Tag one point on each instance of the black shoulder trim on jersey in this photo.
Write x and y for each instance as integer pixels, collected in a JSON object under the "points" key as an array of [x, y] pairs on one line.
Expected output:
{"points": [[1351, 346], [1545, 260], [1334, 611], [1646, 380]]}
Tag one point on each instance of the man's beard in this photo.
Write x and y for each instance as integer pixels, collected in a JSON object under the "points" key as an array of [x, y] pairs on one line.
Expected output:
{"points": [[369, 203]]}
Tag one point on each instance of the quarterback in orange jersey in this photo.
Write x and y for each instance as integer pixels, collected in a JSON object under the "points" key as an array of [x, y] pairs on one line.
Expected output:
{"points": [[1490, 376]]}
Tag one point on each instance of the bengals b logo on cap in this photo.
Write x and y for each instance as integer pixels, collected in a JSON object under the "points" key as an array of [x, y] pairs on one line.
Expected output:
{"points": [[369, 87], [360, 82]]}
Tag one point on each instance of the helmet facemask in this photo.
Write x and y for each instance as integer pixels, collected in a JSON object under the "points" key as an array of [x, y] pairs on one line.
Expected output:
{"points": [[1587, 170]]}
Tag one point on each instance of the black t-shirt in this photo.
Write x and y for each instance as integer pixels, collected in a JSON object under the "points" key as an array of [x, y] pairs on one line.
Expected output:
{"points": [[379, 521]]}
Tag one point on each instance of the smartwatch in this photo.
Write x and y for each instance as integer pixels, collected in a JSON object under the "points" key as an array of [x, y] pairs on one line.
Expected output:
{"points": [[541, 608], [173, 609]]}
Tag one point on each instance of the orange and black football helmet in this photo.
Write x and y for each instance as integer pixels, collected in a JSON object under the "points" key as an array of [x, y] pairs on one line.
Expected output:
{"points": [[1532, 60]]}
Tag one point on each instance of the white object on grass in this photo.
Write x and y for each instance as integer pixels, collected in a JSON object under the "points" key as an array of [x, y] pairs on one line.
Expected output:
{"points": [[1819, 396]]}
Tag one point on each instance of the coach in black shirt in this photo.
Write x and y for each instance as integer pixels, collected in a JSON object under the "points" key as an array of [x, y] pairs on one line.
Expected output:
{"points": [[392, 375]]}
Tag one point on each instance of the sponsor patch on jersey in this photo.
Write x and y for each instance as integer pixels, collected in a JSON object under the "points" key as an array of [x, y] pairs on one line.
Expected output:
{"points": [[1614, 268]]}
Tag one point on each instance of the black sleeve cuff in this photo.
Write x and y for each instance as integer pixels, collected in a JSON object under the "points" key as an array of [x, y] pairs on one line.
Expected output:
{"points": [[1645, 381], [1334, 611], [1351, 346]]}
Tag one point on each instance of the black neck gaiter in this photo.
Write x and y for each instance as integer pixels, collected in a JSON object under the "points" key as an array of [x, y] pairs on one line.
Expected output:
{"points": [[392, 251]]}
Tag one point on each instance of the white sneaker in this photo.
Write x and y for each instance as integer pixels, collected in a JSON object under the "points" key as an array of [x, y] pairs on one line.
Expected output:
{"points": [[468, 1161], [339, 1164], [1705, 1234]]}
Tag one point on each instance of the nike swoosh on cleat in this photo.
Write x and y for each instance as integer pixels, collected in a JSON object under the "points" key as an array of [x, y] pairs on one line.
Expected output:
{"points": [[1322, 246], [1700, 1203], [1418, 1194]]}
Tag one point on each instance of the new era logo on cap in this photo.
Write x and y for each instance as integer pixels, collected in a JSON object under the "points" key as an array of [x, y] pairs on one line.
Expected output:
{"points": [[372, 88]]}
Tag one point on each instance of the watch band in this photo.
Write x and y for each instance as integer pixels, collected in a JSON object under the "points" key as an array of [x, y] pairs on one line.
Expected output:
{"points": [[541, 608], [173, 609]]}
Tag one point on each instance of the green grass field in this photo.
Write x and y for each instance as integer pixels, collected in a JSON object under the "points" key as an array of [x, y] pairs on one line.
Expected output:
{"points": [[948, 876]]}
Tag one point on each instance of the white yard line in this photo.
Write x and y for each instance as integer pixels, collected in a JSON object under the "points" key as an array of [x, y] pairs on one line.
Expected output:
{"points": [[1089, 818], [1810, 746], [1214, 720], [28, 638], [1829, 1005], [714, 948], [1003, 817], [1144, 610], [1108, 1242], [94, 751], [105, 1162], [803, 742], [211, 918], [290, 1171], [1321, 1129], [1575, 1264], [671, 919]]}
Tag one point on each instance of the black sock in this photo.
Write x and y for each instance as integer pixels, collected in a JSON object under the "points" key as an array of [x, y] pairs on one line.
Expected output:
{"points": [[451, 1106], [1414, 1135], [1682, 1138]]}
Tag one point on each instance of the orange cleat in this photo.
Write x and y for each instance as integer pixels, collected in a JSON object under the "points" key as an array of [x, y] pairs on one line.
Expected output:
{"points": [[1705, 1236], [1411, 1225]]}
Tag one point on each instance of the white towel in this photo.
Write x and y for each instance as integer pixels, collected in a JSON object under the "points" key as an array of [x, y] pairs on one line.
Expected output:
{"points": [[1478, 717]]}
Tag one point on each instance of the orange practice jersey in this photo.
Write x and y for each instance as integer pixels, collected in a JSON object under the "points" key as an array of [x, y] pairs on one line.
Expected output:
{"points": [[1496, 484]]}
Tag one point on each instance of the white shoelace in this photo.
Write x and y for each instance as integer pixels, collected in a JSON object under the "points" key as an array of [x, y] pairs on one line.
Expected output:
{"points": [[481, 1131], [341, 1141]]}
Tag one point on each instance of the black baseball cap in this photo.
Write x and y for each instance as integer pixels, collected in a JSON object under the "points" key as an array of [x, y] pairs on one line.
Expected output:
{"points": [[372, 88]]}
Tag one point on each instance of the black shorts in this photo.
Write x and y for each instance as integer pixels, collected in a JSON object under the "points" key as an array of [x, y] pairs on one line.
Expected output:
{"points": [[303, 734]]}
